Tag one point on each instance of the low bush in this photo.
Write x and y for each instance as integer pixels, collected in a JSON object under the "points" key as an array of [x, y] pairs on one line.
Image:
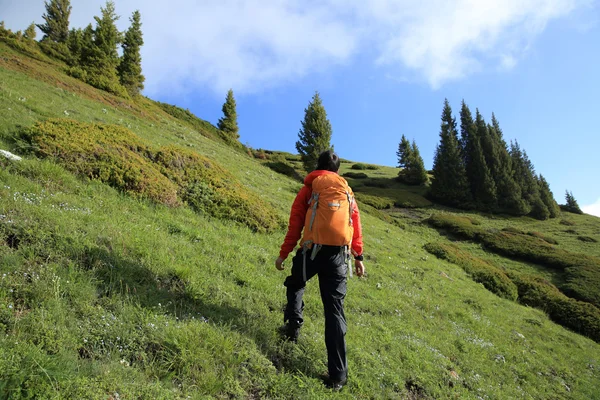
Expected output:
{"points": [[587, 239], [380, 203], [169, 175], [572, 231], [493, 278], [372, 167], [579, 316], [581, 271], [285, 169], [567, 222], [514, 230], [545, 238], [382, 183], [359, 166], [356, 175]]}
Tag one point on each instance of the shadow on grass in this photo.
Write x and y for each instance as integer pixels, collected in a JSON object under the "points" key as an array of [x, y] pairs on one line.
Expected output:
{"points": [[120, 277]]}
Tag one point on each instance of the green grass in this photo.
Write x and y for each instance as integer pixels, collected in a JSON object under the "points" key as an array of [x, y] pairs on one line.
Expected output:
{"points": [[104, 293]]}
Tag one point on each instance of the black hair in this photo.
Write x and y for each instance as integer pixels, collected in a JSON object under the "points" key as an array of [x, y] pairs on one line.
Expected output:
{"points": [[329, 161]]}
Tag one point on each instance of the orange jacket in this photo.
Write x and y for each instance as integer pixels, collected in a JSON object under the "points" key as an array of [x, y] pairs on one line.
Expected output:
{"points": [[298, 215]]}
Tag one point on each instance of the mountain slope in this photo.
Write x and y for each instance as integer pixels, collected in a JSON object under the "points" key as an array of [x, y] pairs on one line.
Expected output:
{"points": [[102, 293]]}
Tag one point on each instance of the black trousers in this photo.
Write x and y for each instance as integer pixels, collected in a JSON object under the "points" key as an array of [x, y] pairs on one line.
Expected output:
{"points": [[329, 264]]}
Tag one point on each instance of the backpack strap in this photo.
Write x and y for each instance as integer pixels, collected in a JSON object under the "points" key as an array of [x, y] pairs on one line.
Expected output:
{"points": [[315, 202]]}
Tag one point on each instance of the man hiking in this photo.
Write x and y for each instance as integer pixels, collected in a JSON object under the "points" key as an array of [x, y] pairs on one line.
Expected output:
{"points": [[326, 215]]}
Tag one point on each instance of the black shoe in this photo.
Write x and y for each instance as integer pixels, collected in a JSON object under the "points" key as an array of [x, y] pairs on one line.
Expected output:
{"points": [[335, 385], [290, 332]]}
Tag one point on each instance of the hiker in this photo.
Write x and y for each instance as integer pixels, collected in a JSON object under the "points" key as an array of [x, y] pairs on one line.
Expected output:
{"points": [[325, 212]]}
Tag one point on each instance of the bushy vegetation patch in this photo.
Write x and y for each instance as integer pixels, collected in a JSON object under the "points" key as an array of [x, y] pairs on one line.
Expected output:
{"points": [[383, 199], [577, 315], [169, 175], [285, 169], [567, 222], [587, 239], [355, 175], [581, 271], [359, 166], [545, 238], [493, 278]]}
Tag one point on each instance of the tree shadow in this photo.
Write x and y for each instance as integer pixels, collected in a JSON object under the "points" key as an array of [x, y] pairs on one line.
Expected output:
{"points": [[169, 294]]}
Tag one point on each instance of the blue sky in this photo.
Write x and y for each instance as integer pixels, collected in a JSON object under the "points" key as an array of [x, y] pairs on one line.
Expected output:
{"points": [[383, 69]]}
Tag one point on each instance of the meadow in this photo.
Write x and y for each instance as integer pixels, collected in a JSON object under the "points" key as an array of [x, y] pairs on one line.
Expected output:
{"points": [[105, 294]]}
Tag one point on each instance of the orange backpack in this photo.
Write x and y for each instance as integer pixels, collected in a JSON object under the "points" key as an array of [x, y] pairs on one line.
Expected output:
{"points": [[329, 217]]}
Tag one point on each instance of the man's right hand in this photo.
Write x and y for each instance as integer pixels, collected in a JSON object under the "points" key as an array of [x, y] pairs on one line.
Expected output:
{"points": [[279, 263], [359, 267]]}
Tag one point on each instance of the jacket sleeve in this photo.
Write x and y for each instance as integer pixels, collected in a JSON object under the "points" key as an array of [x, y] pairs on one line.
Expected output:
{"points": [[357, 240], [296, 223]]}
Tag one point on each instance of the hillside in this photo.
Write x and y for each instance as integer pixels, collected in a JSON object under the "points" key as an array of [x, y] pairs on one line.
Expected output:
{"points": [[108, 294]]}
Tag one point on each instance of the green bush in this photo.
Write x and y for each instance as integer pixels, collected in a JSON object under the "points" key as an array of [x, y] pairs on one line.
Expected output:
{"points": [[514, 230], [285, 169], [579, 316], [58, 51], [359, 166], [493, 278], [372, 167], [382, 183], [460, 226], [587, 239], [169, 175], [545, 238], [567, 222], [356, 175]]}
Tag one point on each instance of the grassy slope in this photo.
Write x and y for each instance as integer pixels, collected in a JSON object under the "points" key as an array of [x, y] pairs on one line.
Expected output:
{"points": [[107, 294]]}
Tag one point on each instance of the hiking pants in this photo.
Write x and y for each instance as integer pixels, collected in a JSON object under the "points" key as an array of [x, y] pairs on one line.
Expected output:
{"points": [[331, 267]]}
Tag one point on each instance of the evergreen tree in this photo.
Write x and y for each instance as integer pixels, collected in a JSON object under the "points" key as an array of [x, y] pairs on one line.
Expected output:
{"points": [[416, 174], [30, 32], [482, 182], [508, 192], [524, 176], [75, 44], [403, 152], [547, 197], [101, 59], [315, 135], [450, 185], [572, 205], [57, 16], [228, 124], [130, 68], [468, 131]]}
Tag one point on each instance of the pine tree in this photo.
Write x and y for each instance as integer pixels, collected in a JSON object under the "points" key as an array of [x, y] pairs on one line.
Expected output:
{"points": [[524, 176], [547, 197], [57, 16], [416, 174], [508, 192], [482, 182], [315, 135], [572, 205], [449, 185], [403, 152], [228, 124], [30, 32], [100, 59], [75, 45], [130, 68]]}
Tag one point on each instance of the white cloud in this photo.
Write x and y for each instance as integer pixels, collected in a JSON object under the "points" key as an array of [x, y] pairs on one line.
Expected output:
{"points": [[592, 209], [255, 44]]}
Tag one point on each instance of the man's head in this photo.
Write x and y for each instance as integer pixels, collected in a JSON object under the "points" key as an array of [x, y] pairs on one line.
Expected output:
{"points": [[329, 161]]}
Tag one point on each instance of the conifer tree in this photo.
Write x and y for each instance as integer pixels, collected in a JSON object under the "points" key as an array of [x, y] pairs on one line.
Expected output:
{"points": [[416, 174], [524, 176], [101, 59], [228, 124], [30, 32], [130, 68], [508, 192], [57, 16], [449, 185], [572, 205], [315, 135], [403, 152], [547, 197], [482, 182], [75, 45]]}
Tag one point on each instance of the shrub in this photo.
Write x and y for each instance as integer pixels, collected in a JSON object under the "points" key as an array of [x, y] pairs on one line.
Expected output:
{"points": [[567, 222], [513, 230], [579, 316], [572, 231], [383, 183], [356, 175], [169, 175], [58, 51], [286, 169], [545, 238], [359, 166], [493, 278], [380, 203], [460, 226], [205, 128], [587, 239], [372, 167]]}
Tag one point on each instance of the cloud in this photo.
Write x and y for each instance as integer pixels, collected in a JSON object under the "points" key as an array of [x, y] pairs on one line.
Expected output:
{"points": [[252, 45], [592, 209]]}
